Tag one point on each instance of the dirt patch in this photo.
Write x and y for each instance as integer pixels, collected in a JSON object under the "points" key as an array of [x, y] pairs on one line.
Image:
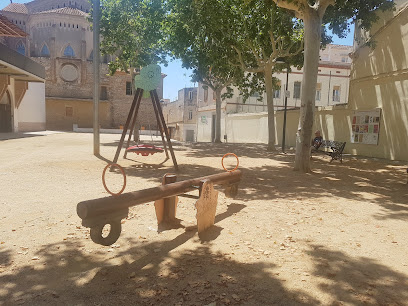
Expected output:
{"points": [[337, 236]]}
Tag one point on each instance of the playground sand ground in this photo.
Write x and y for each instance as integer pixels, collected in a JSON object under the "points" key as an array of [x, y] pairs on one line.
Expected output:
{"points": [[337, 236]]}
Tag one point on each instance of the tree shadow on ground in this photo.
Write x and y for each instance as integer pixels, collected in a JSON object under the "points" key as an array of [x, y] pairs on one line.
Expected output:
{"points": [[255, 150], [153, 273], [5, 258], [357, 281], [353, 180], [373, 181], [9, 136]]}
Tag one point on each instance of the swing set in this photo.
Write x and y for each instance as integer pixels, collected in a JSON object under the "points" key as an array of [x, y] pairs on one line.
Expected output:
{"points": [[145, 149]]}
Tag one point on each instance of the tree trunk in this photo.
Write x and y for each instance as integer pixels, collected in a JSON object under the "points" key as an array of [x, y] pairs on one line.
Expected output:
{"points": [[218, 115], [271, 110], [312, 24]]}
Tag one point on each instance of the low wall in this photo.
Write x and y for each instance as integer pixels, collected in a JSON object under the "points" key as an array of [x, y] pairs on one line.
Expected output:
{"points": [[334, 123]]}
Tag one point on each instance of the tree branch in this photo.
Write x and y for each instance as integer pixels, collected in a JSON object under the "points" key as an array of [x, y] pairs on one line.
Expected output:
{"points": [[239, 56], [273, 42], [323, 6], [254, 51], [290, 6], [208, 83]]}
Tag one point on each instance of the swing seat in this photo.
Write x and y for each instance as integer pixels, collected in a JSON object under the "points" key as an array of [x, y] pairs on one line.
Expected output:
{"points": [[144, 150]]}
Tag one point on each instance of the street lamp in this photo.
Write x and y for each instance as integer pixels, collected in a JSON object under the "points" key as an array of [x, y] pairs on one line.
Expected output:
{"points": [[282, 61], [284, 110]]}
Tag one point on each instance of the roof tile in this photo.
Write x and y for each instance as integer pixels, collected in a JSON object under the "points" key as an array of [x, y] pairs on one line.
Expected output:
{"points": [[16, 8], [65, 10]]}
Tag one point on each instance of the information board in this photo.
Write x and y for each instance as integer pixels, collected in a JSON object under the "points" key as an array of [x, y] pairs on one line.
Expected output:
{"points": [[365, 127]]}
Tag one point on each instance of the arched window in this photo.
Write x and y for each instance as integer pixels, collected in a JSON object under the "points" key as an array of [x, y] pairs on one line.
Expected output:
{"points": [[69, 52], [45, 52], [21, 48]]}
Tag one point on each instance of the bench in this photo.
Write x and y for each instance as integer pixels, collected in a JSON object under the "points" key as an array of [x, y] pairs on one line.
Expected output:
{"points": [[332, 148]]}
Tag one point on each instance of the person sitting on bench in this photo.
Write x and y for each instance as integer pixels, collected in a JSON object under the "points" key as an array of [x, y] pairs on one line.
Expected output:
{"points": [[317, 141]]}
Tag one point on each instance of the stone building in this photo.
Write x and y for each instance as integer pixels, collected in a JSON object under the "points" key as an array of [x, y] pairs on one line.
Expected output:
{"points": [[22, 89], [60, 39], [181, 115]]}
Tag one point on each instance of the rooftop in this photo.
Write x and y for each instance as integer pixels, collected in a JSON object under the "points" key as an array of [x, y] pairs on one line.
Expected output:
{"points": [[65, 11], [16, 8]]}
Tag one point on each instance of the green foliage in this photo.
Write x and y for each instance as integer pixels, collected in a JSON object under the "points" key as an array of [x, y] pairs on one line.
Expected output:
{"points": [[263, 34], [195, 34], [344, 12], [132, 31]]}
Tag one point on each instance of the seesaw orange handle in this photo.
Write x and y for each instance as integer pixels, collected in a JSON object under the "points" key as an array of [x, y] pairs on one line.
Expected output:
{"points": [[222, 162], [124, 178]]}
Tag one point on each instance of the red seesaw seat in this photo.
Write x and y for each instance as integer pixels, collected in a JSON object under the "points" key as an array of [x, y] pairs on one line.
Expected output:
{"points": [[144, 150]]}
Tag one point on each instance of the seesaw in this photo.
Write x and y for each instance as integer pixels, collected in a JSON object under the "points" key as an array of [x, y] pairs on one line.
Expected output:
{"points": [[97, 213]]}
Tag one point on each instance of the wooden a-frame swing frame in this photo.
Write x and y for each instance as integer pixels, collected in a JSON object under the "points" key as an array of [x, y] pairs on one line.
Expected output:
{"points": [[131, 122]]}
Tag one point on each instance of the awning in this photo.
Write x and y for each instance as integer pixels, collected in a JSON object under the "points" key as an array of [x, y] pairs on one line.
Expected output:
{"points": [[19, 66]]}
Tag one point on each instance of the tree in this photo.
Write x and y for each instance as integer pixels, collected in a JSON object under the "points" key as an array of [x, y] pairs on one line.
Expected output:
{"points": [[194, 35], [132, 32], [261, 33], [314, 13]]}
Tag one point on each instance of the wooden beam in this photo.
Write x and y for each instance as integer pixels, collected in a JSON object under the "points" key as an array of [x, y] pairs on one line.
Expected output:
{"points": [[108, 205], [4, 83]]}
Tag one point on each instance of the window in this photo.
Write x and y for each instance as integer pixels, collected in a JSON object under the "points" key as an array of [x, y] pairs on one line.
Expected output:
{"points": [[190, 95], [69, 52], [45, 52], [190, 115], [206, 94], [104, 93], [318, 91], [128, 88], [69, 111], [296, 90], [20, 48], [277, 92], [91, 56], [336, 93], [255, 94], [214, 95]]}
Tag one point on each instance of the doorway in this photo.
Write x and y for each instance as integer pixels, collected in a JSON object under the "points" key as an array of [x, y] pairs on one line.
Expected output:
{"points": [[190, 135], [5, 114]]}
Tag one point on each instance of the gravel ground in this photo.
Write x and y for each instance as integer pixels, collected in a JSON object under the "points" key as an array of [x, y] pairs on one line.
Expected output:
{"points": [[337, 236]]}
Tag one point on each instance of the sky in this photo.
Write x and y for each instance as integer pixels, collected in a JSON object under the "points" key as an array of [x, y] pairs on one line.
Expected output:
{"points": [[178, 77]]}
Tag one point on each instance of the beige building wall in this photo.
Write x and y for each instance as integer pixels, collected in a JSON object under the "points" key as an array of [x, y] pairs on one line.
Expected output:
{"points": [[379, 79], [181, 115], [64, 113]]}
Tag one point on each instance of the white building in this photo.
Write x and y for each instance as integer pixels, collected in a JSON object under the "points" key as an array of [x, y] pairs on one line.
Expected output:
{"points": [[22, 88], [332, 89], [181, 115]]}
